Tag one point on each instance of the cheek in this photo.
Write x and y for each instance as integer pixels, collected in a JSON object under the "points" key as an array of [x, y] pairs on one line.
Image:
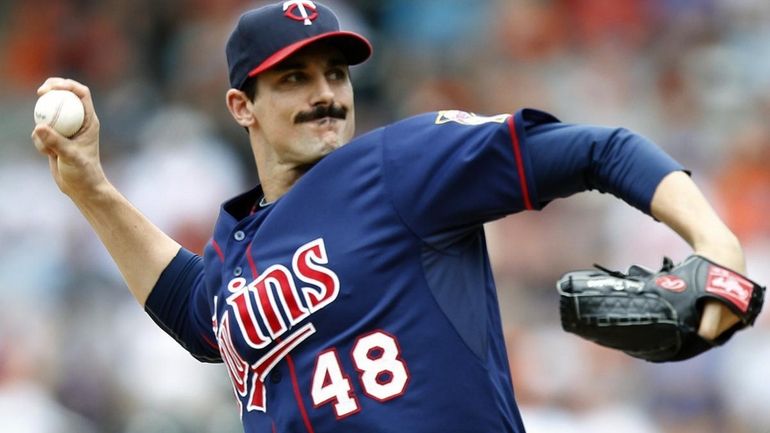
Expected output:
{"points": [[346, 95], [351, 120], [350, 128], [273, 117]]}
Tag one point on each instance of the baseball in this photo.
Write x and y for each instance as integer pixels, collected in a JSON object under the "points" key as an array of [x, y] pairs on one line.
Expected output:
{"points": [[60, 109]]}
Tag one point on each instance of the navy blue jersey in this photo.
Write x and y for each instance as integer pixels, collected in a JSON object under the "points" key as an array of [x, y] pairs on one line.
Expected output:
{"points": [[363, 300]]}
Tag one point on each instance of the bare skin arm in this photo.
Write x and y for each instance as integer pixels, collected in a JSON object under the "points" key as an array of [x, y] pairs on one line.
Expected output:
{"points": [[139, 248], [679, 204]]}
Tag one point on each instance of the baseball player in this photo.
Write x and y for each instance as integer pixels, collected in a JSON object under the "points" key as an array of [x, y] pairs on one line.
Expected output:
{"points": [[350, 291]]}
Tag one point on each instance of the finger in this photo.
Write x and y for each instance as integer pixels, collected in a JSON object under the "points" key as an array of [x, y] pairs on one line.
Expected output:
{"points": [[52, 83], [60, 83], [84, 93], [79, 89]]}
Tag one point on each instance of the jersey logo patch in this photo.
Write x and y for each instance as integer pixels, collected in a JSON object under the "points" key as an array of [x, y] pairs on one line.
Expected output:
{"points": [[470, 119]]}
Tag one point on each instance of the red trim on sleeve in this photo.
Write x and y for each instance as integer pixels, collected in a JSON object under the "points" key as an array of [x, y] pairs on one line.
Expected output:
{"points": [[298, 395], [218, 250], [519, 163]]}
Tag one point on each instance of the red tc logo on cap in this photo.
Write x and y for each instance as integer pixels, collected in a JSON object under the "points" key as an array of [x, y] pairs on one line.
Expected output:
{"points": [[290, 9]]}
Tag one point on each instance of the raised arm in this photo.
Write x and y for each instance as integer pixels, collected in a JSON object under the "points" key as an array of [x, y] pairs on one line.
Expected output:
{"points": [[139, 248], [679, 204], [573, 158]]}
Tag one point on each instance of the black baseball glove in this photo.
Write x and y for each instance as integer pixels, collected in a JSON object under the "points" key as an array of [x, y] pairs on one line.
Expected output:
{"points": [[655, 315]]}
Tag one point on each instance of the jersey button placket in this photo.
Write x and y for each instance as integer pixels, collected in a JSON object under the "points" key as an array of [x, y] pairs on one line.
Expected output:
{"points": [[238, 236]]}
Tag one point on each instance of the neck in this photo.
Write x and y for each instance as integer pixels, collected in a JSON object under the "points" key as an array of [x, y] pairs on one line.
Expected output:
{"points": [[277, 181]]}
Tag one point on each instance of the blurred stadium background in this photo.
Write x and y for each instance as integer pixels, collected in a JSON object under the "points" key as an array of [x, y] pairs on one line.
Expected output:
{"points": [[78, 355]]}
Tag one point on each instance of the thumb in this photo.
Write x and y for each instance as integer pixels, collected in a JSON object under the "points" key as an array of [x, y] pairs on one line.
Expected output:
{"points": [[715, 319], [49, 142]]}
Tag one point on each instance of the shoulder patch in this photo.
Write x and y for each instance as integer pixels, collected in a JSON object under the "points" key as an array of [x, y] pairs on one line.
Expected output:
{"points": [[465, 118]]}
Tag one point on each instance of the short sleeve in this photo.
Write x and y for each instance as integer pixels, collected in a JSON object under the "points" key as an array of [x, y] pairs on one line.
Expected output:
{"points": [[180, 306]]}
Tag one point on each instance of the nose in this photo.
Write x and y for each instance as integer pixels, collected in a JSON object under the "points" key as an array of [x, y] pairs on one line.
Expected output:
{"points": [[324, 93]]}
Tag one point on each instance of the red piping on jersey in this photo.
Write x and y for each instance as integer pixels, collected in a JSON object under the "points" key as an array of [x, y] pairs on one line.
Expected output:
{"points": [[218, 250], [222, 259], [519, 163], [289, 361], [209, 342], [298, 395], [252, 265]]}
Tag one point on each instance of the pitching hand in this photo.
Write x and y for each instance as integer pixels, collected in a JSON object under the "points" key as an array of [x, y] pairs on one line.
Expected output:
{"points": [[74, 162]]}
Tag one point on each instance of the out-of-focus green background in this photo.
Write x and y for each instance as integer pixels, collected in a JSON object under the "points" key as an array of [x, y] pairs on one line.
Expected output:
{"points": [[78, 355]]}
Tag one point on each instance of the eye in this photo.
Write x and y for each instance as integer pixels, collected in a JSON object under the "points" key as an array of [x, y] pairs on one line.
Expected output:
{"points": [[293, 77], [337, 74]]}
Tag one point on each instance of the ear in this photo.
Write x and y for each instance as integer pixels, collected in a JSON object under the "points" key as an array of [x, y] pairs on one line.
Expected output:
{"points": [[238, 104]]}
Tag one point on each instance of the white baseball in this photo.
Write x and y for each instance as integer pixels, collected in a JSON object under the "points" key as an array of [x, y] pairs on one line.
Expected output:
{"points": [[62, 110]]}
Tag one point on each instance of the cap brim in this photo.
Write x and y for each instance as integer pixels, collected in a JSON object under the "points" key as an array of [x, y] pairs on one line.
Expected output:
{"points": [[354, 47]]}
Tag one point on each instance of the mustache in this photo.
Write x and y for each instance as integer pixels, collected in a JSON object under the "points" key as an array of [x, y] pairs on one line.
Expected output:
{"points": [[335, 111]]}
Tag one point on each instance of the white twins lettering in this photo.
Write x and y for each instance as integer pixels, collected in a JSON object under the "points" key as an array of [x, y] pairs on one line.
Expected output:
{"points": [[274, 292], [259, 309]]}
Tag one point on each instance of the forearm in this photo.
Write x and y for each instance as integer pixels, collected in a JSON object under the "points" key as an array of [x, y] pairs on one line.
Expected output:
{"points": [[139, 248], [679, 204]]}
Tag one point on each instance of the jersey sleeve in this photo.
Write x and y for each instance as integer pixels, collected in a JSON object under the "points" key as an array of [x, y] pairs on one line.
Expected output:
{"points": [[450, 171], [179, 305], [567, 159]]}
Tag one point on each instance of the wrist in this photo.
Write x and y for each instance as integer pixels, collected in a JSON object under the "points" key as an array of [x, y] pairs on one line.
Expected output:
{"points": [[95, 192], [725, 250]]}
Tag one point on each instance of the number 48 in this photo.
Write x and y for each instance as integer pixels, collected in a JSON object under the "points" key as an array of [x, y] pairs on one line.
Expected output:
{"points": [[382, 372]]}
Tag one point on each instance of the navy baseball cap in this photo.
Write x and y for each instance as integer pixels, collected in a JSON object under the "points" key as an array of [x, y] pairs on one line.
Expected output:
{"points": [[265, 36]]}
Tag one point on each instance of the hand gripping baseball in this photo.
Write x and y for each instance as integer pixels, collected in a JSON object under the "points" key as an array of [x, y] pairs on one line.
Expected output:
{"points": [[74, 161], [655, 315]]}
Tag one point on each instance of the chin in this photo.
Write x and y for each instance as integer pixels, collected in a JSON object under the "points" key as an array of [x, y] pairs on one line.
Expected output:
{"points": [[319, 151], [319, 146], [331, 141]]}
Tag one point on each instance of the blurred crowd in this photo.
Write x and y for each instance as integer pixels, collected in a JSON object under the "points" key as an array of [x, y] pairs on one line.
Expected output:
{"points": [[77, 354]]}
